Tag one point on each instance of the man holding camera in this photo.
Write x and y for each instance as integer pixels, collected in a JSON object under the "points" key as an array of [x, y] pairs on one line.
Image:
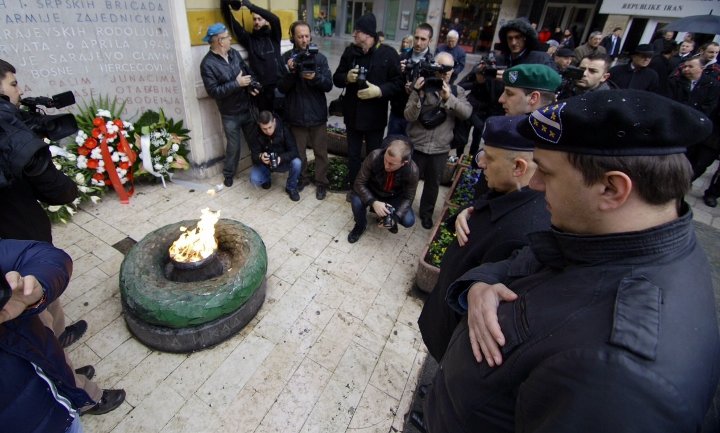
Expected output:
{"points": [[370, 72], [387, 182], [431, 112], [595, 73], [273, 149], [227, 79], [304, 84], [262, 45]]}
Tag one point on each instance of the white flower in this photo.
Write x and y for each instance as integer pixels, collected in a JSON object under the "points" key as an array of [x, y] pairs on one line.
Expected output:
{"points": [[115, 157], [54, 208], [57, 166], [95, 198], [127, 125], [158, 166], [71, 157], [175, 147], [83, 189], [169, 159], [104, 113], [76, 201], [70, 210], [82, 162], [79, 179]]}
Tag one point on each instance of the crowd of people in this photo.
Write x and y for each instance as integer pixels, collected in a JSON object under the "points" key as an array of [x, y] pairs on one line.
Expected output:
{"points": [[574, 297]]}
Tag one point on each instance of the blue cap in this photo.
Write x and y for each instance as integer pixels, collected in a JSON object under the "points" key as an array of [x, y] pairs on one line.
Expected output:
{"points": [[213, 30], [502, 132]]}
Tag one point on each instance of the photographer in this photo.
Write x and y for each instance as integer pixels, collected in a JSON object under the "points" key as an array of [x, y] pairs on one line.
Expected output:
{"points": [[593, 75], [272, 149], [304, 84], [387, 182], [431, 112]]}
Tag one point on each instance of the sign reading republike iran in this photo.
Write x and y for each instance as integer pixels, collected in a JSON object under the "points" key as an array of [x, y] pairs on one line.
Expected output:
{"points": [[119, 48], [661, 8]]}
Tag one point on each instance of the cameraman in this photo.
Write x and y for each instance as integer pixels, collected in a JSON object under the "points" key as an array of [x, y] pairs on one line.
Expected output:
{"points": [[431, 112], [595, 76], [272, 148], [304, 86]]}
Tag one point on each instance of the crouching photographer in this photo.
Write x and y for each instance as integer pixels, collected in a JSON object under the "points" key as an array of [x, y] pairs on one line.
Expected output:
{"points": [[431, 112]]}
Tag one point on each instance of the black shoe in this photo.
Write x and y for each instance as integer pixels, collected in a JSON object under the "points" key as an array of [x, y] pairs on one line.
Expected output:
{"points": [[423, 390], [427, 223], [87, 371], [266, 185], [416, 419], [302, 184], [111, 399], [355, 234], [394, 228], [710, 200], [294, 194], [228, 181], [72, 333], [320, 192]]}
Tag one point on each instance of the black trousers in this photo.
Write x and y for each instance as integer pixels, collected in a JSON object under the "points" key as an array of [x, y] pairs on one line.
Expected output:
{"points": [[373, 140], [431, 168]]}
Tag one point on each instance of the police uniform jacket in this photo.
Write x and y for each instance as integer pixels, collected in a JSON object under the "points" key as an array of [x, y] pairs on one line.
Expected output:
{"points": [[610, 333], [627, 77], [219, 78], [437, 140], [499, 224], [26, 402], [383, 66], [305, 101], [374, 183]]}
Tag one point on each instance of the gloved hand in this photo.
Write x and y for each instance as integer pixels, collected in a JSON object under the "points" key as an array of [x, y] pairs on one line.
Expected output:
{"points": [[371, 92], [352, 74]]}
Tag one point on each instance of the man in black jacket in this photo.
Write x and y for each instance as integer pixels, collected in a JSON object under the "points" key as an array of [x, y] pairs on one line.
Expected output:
{"points": [[262, 45], [387, 182], [273, 149], [609, 321], [636, 74], [304, 84], [519, 45], [227, 79], [365, 105]]}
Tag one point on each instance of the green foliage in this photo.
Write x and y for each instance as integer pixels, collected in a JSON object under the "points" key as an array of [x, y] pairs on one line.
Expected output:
{"points": [[464, 192], [338, 173], [439, 245], [89, 110]]}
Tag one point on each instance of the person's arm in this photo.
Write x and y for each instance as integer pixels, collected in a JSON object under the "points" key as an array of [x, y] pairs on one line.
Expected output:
{"points": [[409, 191], [216, 88], [49, 184], [323, 79], [345, 65], [459, 61], [394, 82], [242, 36], [289, 78], [362, 181], [255, 148], [413, 106]]}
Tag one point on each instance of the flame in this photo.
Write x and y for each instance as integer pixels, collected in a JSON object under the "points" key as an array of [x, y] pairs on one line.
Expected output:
{"points": [[198, 243]]}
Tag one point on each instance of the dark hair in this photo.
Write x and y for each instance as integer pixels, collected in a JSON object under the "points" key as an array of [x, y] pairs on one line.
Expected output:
{"points": [[426, 26], [381, 34], [600, 56], [546, 98], [295, 24], [616, 29], [265, 117], [658, 179], [669, 47], [705, 46], [6, 68]]}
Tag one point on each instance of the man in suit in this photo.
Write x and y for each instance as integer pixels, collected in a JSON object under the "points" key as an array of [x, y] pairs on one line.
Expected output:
{"points": [[613, 42]]}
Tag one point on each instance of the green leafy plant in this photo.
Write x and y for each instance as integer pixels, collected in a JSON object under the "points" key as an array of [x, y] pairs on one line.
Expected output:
{"points": [[338, 173], [464, 193], [167, 144], [439, 245]]}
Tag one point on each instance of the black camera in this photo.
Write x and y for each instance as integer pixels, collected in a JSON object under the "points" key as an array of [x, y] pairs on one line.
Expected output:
{"points": [[572, 73], [273, 160], [362, 78], [490, 66], [305, 60], [5, 291], [389, 220], [255, 85], [427, 70], [53, 126]]}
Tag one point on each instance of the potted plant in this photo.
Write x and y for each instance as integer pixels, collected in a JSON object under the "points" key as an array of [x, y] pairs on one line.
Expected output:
{"points": [[429, 263], [462, 192], [338, 173]]}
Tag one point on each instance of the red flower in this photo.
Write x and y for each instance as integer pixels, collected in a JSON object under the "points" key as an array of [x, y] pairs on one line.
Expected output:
{"points": [[92, 164], [124, 165], [90, 143], [84, 151], [96, 132], [118, 123], [98, 176], [98, 121]]}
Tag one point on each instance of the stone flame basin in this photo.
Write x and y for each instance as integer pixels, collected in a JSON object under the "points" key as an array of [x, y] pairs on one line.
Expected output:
{"points": [[184, 316]]}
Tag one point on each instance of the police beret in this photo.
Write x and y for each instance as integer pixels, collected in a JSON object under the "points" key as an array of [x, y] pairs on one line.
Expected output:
{"points": [[532, 76], [617, 123], [502, 132], [213, 30], [564, 52]]}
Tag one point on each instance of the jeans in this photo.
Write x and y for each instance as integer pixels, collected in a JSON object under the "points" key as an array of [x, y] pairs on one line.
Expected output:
{"points": [[360, 211], [397, 125], [235, 126], [431, 168], [373, 140], [75, 427], [316, 136], [260, 174]]}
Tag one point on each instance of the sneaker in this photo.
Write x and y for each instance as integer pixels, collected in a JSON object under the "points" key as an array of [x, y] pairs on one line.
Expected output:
{"points": [[710, 200], [266, 185], [72, 333], [294, 194], [228, 182], [111, 399], [427, 222], [320, 192], [355, 234], [88, 371]]}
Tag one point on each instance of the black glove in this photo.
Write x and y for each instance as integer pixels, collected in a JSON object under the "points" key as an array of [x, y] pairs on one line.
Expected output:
{"points": [[246, 3], [236, 5]]}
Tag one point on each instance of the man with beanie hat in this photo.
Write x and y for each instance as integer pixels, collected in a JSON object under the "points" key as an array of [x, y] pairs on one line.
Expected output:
{"points": [[519, 45], [636, 74], [606, 321], [370, 74], [528, 87], [262, 45]]}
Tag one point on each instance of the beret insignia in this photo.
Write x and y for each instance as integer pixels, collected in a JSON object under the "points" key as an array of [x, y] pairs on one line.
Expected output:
{"points": [[547, 122], [513, 76]]}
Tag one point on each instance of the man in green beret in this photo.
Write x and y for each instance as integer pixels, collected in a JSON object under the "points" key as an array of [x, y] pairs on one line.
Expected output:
{"points": [[528, 87], [606, 322]]}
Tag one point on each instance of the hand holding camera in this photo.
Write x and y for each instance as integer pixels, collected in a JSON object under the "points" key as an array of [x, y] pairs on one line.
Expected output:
{"points": [[243, 80], [353, 74], [271, 159], [380, 208], [27, 291]]}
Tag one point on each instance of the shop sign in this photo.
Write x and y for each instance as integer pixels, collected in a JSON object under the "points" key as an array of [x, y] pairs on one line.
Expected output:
{"points": [[661, 8]]}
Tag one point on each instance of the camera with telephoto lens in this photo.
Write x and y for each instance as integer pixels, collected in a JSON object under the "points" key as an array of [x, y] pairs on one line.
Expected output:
{"points": [[427, 70], [362, 77], [5, 291], [305, 60], [273, 160], [53, 126], [389, 219]]}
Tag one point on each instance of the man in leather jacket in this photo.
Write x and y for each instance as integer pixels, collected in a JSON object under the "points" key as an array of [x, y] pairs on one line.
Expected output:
{"points": [[608, 321]]}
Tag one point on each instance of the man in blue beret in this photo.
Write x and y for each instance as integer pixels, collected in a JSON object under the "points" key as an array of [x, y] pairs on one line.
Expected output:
{"points": [[606, 322], [489, 230]]}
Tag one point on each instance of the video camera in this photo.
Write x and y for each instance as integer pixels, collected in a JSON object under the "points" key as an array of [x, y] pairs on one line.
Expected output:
{"points": [[53, 126], [305, 60], [572, 73], [490, 66], [427, 70]]}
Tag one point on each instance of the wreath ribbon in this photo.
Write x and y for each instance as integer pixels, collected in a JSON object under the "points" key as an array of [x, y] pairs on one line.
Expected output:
{"points": [[124, 147]]}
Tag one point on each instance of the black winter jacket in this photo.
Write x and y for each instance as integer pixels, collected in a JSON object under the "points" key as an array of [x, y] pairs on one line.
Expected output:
{"points": [[219, 78], [383, 64], [263, 45], [532, 44], [305, 101], [370, 184], [704, 97], [281, 142], [627, 77]]}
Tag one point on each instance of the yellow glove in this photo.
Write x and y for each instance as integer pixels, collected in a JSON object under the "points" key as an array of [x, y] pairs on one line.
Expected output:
{"points": [[352, 75], [371, 92]]}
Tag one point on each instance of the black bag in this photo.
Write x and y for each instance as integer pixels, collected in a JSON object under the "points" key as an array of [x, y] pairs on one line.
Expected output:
{"points": [[432, 117], [336, 105]]}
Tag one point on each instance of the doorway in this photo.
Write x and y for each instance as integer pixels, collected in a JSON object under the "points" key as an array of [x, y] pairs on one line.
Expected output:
{"points": [[573, 16], [353, 11]]}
